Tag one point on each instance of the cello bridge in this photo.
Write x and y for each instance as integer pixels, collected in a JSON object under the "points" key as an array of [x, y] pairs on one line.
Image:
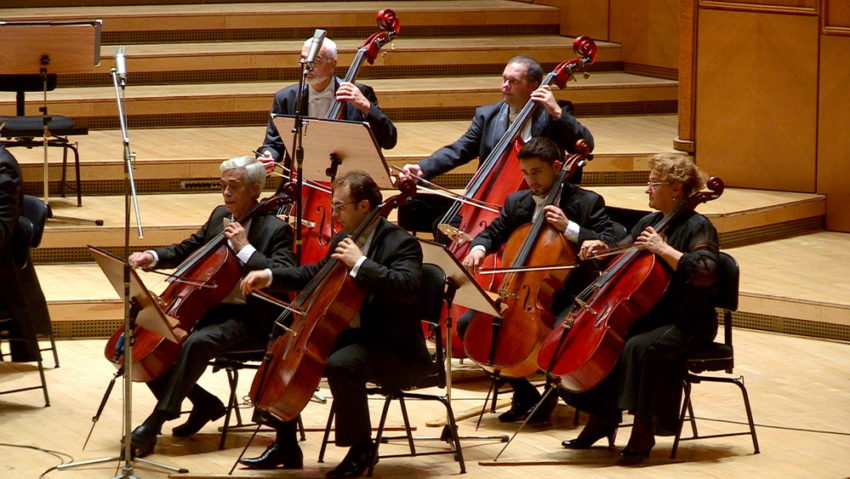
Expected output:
{"points": [[504, 293], [454, 234]]}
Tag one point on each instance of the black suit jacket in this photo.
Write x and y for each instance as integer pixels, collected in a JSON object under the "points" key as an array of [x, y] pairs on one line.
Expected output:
{"points": [[271, 237], [489, 125], [284, 104], [20, 292], [390, 315], [584, 207]]}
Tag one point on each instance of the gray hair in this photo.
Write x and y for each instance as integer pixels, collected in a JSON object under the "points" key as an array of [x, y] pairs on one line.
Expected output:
{"points": [[329, 46], [255, 172]]}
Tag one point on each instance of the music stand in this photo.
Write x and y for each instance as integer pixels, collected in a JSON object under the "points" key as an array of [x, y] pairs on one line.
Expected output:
{"points": [[29, 47], [462, 289], [332, 147], [147, 315]]}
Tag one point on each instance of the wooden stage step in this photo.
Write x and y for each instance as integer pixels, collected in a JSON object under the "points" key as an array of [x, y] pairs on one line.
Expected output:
{"points": [[196, 21], [171, 217], [174, 63], [777, 294], [168, 158], [435, 98]]}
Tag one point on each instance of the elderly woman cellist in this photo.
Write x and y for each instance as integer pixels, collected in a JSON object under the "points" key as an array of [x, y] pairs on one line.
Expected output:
{"points": [[647, 378]]}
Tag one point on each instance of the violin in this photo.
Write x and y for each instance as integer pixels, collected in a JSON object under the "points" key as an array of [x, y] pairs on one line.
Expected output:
{"points": [[199, 284], [585, 348], [294, 362], [498, 176], [317, 224], [540, 259]]}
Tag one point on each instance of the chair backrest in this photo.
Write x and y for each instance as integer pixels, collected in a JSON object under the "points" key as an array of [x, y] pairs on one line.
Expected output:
{"points": [[37, 212], [728, 282], [431, 294], [25, 83]]}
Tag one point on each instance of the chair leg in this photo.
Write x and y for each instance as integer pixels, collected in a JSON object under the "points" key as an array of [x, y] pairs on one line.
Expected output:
{"points": [[327, 432], [233, 380], [63, 182], [407, 425], [380, 432], [77, 172], [43, 380], [749, 414], [685, 406]]}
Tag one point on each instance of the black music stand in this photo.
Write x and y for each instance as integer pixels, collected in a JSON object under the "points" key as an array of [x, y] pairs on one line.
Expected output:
{"points": [[461, 288], [147, 314], [30, 47], [332, 147]]}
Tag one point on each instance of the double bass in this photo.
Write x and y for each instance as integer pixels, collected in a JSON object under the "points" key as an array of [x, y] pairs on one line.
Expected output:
{"points": [[585, 348], [498, 176], [541, 258], [317, 225], [294, 361], [199, 284]]}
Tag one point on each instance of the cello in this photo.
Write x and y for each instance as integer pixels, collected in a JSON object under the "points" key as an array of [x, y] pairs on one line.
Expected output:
{"points": [[585, 348], [198, 284], [294, 362], [317, 225], [497, 177], [540, 259]]}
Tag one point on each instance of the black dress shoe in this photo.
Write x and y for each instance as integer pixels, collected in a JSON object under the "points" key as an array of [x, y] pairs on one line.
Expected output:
{"points": [[632, 456], [356, 462], [587, 441], [544, 410], [275, 455], [143, 440], [199, 417]]}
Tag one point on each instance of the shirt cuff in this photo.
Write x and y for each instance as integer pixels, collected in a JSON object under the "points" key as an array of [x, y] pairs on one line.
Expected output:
{"points": [[245, 253], [357, 265], [155, 258], [479, 248], [572, 231], [270, 276]]}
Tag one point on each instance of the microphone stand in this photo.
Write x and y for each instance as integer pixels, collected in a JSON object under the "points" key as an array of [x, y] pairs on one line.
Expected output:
{"points": [[126, 455], [298, 150]]}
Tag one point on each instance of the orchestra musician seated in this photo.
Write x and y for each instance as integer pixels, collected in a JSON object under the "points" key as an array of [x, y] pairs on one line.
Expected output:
{"points": [[361, 103], [578, 213], [263, 242], [647, 380], [384, 342]]}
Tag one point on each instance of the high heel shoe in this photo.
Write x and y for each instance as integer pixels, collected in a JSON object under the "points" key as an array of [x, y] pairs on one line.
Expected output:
{"points": [[635, 455], [586, 439]]}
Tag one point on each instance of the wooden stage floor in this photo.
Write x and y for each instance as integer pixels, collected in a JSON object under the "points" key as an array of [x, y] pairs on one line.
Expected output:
{"points": [[800, 391]]}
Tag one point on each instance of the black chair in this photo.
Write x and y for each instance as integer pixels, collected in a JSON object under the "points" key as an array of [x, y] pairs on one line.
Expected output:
{"points": [[246, 356], [28, 131], [717, 357], [431, 294], [30, 229]]}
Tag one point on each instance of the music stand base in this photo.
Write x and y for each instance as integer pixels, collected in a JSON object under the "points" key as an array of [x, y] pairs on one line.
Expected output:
{"points": [[128, 471]]}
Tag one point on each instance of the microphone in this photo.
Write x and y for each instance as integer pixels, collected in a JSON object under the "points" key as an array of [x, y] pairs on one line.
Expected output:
{"points": [[315, 46], [121, 65]]}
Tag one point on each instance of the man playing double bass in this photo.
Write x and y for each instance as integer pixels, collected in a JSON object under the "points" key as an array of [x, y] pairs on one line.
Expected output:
{"points": [[322, 87], [263, 242], [579, 214], [384, 342]]}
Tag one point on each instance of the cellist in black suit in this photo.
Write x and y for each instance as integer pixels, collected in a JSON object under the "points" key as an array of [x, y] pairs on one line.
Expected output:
{"points": [[383, 344], [264, 241], [579, 213]]}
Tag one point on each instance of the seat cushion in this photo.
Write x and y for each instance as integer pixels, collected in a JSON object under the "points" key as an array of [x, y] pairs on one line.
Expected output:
{"points": [[31, 126], [714, 357]]}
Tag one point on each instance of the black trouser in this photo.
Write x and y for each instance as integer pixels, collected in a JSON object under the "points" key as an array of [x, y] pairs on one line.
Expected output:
{"points": [[220, 330]]}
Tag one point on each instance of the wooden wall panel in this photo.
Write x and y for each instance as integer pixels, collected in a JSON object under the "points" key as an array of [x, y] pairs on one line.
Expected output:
{"points": [[764, 5], [836, 16], [833, 140], [756, 111], [585, 17], [648, 30]]}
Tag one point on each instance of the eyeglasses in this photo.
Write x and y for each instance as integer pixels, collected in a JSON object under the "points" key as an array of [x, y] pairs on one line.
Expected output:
{"points": [[655, 184], [338, 206]]}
